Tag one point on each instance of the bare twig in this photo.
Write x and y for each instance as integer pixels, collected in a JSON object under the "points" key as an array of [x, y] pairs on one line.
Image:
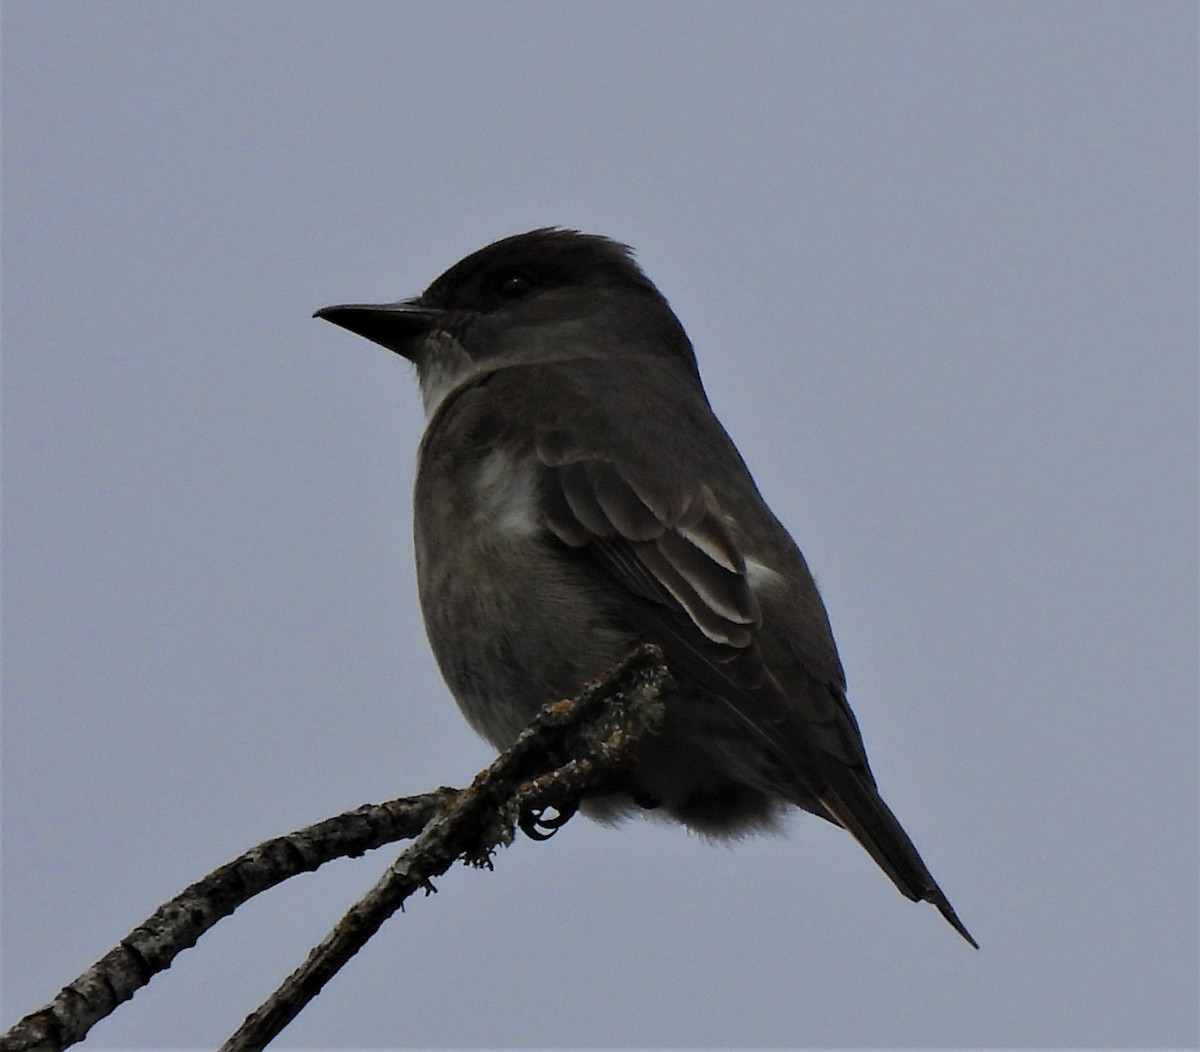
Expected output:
{"points": [[571, 750]]}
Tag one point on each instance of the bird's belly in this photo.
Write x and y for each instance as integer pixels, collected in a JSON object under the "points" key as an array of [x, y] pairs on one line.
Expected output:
{"points": [[521, 628]]}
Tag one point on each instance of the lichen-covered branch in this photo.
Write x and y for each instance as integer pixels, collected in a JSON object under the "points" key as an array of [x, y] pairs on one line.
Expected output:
{"points": [[178, 924], [573, 749]]}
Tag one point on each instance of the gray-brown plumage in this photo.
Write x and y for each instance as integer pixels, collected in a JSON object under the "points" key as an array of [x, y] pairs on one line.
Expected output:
{"points": [[576, 496]]}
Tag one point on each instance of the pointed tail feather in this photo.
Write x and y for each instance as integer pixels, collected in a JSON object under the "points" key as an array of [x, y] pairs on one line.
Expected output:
{"points": [[860, 810]]}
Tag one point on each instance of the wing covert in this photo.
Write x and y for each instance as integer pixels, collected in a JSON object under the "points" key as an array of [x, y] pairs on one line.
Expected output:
{"points": [[675, 550]]}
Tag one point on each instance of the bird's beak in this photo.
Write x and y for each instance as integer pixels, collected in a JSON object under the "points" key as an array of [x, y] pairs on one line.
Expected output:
{"points": [[399, 327]]}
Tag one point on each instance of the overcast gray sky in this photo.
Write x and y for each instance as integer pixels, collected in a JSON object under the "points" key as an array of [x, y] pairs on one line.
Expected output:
{"points": [[939, 264]]}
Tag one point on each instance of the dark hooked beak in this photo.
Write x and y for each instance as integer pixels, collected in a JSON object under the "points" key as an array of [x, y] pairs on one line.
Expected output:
{"points": [[400, 327]]}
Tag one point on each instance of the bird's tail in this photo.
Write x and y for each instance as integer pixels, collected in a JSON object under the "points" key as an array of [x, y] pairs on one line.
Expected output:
{"points": [[857, 806]]}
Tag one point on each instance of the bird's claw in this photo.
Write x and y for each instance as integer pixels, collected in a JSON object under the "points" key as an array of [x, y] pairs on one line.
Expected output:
{"points": [[536, 825]]}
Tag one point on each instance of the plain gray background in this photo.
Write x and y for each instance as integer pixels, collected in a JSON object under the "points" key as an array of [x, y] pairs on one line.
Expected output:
{"points": [[939, 264]]}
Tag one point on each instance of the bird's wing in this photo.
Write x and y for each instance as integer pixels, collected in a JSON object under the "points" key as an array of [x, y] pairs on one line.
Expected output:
{"points": [[678, 552]]}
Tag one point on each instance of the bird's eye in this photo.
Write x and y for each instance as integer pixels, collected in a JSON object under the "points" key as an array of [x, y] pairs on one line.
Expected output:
{"points": [[513, 285]]}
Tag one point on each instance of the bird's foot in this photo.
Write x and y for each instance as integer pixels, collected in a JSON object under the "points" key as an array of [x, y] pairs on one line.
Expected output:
{"points": [[537, 825]]}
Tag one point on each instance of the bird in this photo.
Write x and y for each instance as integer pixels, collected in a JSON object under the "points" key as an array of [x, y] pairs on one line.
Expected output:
{"points": [[576, 496]]}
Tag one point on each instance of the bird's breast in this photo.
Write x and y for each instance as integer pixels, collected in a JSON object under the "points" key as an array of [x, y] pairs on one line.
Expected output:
{"points": [[513, 619]]}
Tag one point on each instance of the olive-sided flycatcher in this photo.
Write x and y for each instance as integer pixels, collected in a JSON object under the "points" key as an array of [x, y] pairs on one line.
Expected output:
{"points": [[576, 496]]}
